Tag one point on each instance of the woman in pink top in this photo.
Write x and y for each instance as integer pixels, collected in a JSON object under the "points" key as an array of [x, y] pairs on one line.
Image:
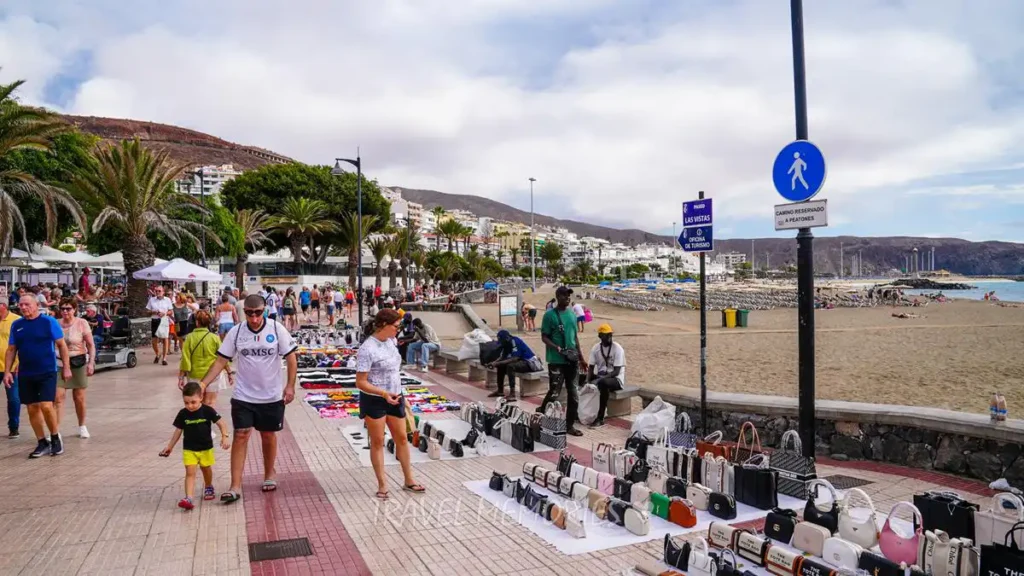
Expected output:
{"points": [[82, 356]]}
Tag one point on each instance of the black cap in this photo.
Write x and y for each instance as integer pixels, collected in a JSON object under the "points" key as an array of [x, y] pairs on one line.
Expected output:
{"points": [[563, 290]]}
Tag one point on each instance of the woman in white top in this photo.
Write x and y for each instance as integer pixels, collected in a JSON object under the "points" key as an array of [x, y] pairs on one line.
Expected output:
{"points": [[381, 401], [227, 316]]}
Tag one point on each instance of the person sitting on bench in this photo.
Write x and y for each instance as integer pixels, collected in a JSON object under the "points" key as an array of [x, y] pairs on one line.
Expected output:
{"points": [[516, 356], [607, 369]]}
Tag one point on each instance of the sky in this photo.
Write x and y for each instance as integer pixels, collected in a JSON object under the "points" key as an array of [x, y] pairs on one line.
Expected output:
{"points": [[620, 109]]}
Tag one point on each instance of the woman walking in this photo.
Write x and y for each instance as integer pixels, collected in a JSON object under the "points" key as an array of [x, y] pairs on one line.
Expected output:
{"points": [[227, 317], [197, 355], [288, 310], [182, 314], [381, 401], [81, 356]]}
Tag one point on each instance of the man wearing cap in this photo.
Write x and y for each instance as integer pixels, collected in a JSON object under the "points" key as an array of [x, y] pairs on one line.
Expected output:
{"points": [[558, 332], [607, 368], [515, 356]]}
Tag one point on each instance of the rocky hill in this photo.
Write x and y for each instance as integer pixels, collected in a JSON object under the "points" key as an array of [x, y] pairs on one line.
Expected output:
{"points": [[186, 147]]}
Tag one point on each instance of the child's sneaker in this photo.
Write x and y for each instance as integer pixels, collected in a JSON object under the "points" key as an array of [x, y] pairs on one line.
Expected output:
{"points": [[209, 493], [186, 503]]}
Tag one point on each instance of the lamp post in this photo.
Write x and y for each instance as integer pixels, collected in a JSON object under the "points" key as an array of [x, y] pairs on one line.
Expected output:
{"points": [[533, 244], [337, 171]]}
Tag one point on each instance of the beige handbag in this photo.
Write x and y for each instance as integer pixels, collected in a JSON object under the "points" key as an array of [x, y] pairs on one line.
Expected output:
{"points": [[810, 538], [991, 526], [640, 496], [782, 561], [698, 495], [842, 554], [433, 449], [574, 524], [939, 554], [590, 478], [721, 535], [598, 504], [540, 476], [580, 493], [637, 521], [861, 531]]}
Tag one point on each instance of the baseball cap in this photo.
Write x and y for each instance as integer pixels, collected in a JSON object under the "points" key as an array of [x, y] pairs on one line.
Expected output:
{"points": [[563, 290], [604, 329]]}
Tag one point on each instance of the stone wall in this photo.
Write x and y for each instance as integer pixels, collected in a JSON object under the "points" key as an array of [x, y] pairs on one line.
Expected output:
{"points": [[954, 442], [140, 332]]}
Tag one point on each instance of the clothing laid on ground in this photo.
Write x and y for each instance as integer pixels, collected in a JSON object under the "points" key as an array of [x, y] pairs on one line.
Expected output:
{"points": [[259, 353], [560, 327], [604, 359], [196, 427], [35, 341], [382, 362]]}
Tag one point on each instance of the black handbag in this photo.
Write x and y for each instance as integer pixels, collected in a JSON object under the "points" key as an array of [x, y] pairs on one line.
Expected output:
{"points": [[78, 361], [439, 435], [779, 525], [423, 444], [428, 429], [675, 486], [489, 419], [471, 438], [623, 489], [640, 471], [617, 511], [497, 481], [948, 512], [1003, 559], [521, 491], [814, 567], [677, 557], [756, 485], [695, 464], [521, 438], [878, 565], [390, 445], [638, 444], [722, 506], [534, 501], [545, 509], [565, 462], [455, 449], [825, 518], [725, 567]]}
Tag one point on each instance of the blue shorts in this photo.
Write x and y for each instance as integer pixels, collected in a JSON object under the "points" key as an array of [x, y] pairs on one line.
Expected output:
{"points": [[37, 388], [224, 327]]}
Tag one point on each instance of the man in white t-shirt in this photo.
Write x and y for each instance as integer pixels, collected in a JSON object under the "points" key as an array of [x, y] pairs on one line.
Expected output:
{"points": [[158, 306], [272, 301], [259, 398], [607, 368]]}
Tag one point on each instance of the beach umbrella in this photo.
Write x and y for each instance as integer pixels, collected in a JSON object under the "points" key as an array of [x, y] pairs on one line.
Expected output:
{"points": [[179, 270]]}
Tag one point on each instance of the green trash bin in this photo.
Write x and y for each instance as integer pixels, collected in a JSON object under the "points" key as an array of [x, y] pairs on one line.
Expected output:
{"points": [[724, 323], [741, 318]]}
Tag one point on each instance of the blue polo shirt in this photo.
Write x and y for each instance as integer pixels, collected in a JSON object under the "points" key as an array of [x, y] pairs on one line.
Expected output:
{"points": [[304, 298], [35, 341], [519, 349]]}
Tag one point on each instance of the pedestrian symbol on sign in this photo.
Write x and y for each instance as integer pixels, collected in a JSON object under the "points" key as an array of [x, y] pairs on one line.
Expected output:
{"points": [[797, 170]]}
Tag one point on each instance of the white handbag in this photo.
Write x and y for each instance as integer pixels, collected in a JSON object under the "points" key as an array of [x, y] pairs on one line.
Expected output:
{"points": [[862, 532], [728, 477], [540, 476], [637, 521], [640, 496], [658, 454], [581, 492], [721, 535], [576, 471], [484, 445], [842, 554], [574, 524], [810, 538], [622, 463], [698, 494], [433, 449], [565, 485], [508, 487], [590, 478], [941, 555], [656, 481], [711, 472], [992, 525], [602, 457], [701, 563]]}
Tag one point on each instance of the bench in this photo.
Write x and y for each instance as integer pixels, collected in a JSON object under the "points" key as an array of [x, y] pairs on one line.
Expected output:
{"points": [[530, 383], [452, 364], [477, 371], [619, 401]]}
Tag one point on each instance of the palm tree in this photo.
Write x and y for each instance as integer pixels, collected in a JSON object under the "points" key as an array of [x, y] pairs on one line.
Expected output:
{"points": [[131, 189], [515, 253], [447, 270], [379, 248], [396, 246], [349, 241], [21, 128], [438, 212], [300, 219], [466, 235], [418, 259], [551, 253], [451, 230], [408, 239], [253, 224]]}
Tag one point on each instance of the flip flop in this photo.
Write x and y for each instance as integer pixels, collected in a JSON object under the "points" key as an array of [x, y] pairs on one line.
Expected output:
{"points": [[382, 495], [230, 497], [414, 488], [269, 486]]}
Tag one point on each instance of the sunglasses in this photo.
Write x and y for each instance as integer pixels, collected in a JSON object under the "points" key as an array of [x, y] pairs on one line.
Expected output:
{"points": [[254, 312], [397, 325], [67, 309]]}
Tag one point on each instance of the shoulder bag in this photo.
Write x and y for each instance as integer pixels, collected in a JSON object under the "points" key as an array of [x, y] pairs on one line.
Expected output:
{"points": [[795, 470], [508, 487], [656, 481], [534, 501], [622, 489], [782, 561], [606, 484], [433, 449], [721, 535], [497, 481], [698, 494], [713, 472], [617, 511], [700, 562], [553, 481], [675, 486], [576, 471], [940, 554], [712, 444], [752, 546], [841, 553], [948, 512], [727, 568], [598, 503], [637, 443], [520, 490], [622, 462], [601, 456], [565, 486], [639, 471], [779, 525], [574, 524], [522, 440], [422, 444], [484, 446], [897, 547], [439, 435], [565, 462], [992, 525], [471, 437], [861, 531], [557, 514], [676, 556], [682, 512], [827, 517], [553, 419], [755, 484], [814, 567], [744, 450], [590, 477], [660, 505], [528, 469], [877, 565], [657, 453], [540, 476], [722, 506], [580, 492], [1003, 557], [810, 538], [640, 496], [683, 436], [455, 448]]}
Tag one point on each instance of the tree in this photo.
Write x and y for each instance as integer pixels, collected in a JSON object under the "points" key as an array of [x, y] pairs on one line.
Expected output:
{"points": [[514, 252], [447, 270], [379, 248], [551, 253], [438, 212], [743, 271], [253, 224], [451, 230], [22, 129], [300, 220], [131, 190], [349, 241], [418, 259], [406, 240]]}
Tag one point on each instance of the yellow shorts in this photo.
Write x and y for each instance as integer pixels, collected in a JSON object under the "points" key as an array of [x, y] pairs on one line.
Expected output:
{"points": [[203, 458]]}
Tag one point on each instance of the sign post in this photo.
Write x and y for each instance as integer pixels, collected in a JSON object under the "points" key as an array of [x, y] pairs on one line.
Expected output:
{"points": [[698, 236]]}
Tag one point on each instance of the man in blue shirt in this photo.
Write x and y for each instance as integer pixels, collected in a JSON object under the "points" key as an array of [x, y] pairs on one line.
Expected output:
{"points": [[516, 356], [304, 299], [35, 341]]}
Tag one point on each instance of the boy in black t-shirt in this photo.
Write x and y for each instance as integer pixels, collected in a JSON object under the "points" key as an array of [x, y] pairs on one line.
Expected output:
{"points": [[195, 421]]}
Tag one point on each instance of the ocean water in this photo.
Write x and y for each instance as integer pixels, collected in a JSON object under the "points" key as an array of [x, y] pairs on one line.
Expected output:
{"points": [[1008, 291]]}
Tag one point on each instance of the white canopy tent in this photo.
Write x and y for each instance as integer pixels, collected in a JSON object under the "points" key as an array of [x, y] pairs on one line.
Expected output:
{"points": [[50, 254], [112, 260], [179, 270]]}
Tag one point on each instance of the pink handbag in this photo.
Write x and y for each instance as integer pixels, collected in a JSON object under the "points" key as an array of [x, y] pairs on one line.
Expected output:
{"points": [[605, 484], [896, 547]]}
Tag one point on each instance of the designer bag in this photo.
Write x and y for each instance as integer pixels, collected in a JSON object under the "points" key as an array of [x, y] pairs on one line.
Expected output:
{"points": [[590, 477], [576, 471], [540, 476], [606, 484], [827, 517], [721, 535], [745, 450], [557, 515], [602, 457], [622, 489], [940, 554], [497, 481], [842, 554], [814, 567], [992, 525], [728, 568], [565, 486], [580, 492], [676, 556], [639, 471], [656, 481], [640, 496], [422, 444], [455, 448], [722, 506], [598, 504], [554, 481], [521, 438], [948, 512], [698, 494], [683, 436], [534, 501], [861, 531], [622, 463], [795, 470], [675, 486], [694, 467], [660, 505], [434, 449], [637, 443], [897, 547], [714, 473], [528, 469], [752, 546], [637, 521], [508, 487], [779, 525], [755, 484], [876, 565], [682, 512], [565, 462], [712, 444], [574, 524], [810, 538], [1003, 558], [701, 563], [782, 561]]}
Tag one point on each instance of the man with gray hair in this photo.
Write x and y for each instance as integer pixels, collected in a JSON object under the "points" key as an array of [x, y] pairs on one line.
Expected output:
{"points": [[96, 321]]}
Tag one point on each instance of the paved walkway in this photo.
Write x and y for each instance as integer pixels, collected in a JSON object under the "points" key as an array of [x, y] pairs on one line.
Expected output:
{"points": [[108, 505]]}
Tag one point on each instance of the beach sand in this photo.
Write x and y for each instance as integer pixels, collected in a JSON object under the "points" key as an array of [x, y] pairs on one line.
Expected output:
{"points": [[953, 357]]}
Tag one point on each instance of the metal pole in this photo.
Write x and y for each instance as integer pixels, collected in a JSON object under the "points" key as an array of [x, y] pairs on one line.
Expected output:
{"points": [[703, 342], [533, 255], [842, 272], [359, 244], [805, 248], [202, 200]]}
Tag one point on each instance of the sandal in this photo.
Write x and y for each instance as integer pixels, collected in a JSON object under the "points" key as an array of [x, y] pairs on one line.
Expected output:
{"points": [[382, 495], [230, 497], [269, 486], [414, 488], [209, 493]]}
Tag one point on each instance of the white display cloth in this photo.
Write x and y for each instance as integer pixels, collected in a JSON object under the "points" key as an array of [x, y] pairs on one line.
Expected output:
{"points": [[451, 427], [601, 534]]}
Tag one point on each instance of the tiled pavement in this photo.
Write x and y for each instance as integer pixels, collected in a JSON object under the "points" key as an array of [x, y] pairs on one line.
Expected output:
{"points": [[108, 505]]}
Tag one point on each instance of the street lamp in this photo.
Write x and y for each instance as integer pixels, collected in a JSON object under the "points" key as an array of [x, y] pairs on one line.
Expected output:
{"points": [[338, 171], [533, 244]]}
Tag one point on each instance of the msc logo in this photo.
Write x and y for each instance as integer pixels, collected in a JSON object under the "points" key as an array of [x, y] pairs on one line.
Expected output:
{"points": [[258, 351]]}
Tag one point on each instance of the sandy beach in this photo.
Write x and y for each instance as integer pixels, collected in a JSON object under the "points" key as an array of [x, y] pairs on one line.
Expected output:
{"points": [[953, 357]]}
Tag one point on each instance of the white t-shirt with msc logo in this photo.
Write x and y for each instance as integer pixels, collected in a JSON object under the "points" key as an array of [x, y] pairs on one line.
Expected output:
{"points": [[257, 356]]}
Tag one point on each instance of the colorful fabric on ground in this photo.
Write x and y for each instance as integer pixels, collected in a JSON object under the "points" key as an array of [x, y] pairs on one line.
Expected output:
{"points": [[345, 403]]}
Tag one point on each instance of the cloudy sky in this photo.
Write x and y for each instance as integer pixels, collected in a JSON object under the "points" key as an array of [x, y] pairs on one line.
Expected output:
{"points": [[620, 109]]}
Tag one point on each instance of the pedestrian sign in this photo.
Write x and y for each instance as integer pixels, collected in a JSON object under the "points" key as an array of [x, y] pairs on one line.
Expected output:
{"points": [[799, 171]]}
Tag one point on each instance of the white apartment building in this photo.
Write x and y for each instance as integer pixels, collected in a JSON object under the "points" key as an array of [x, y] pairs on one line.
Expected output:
{"points": [[415, 213], [730, 259], [428, 222], [206, 180]]}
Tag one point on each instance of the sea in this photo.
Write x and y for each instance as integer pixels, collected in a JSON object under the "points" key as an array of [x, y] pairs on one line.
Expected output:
{"points": [[1007, 291]]}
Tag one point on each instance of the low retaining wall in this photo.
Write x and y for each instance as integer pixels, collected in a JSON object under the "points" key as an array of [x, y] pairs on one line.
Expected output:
{"points": [[141, 335], [929, 438]]}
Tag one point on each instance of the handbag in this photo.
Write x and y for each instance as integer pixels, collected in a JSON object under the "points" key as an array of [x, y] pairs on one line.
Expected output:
{"points": [[471, 437], [528, 469], [660, 505], [948, 512], [698, 494], [565, 486], [877, 565], [682, 512], [712, 444], [428, 429], [897, 547], [590, 477], [722, 506], [755, 484], [521, 438], [640, 496], [862, 532], [828, 518], [639, 471], [795, 470], [1003, 558], [598, 503], [637, 443], [726, 568], [992, 525], [622, 462], [497, 481], [721, 535], [617, 511], [683, 436], [656, 481], [622, 489], [657, 453], [841, 553], [675, 487], [533, 500], [779, 525], [782, 561], [553, 419], [752, 546], [713, 472], [940, 554], [78, 361], [606, 484], [810, 538], [554, 481], [390, 445], [508, 487], [814, 567], [676, 556], [556, 441], [601, 457], [557, 516], [439, 435], [422, 445], [580, 492], [540, 475], [694, 472], [521, 489], [433, 449], [574, 524], [700, 562], [576, 471], [565, 462], [455, 448], [744, 451]]}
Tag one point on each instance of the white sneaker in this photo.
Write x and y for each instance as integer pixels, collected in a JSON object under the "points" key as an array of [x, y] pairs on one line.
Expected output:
{"points": [[424, 369], [83, 432]]}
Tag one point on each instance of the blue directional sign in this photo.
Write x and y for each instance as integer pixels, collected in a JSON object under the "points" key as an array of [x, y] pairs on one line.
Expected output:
{"points": [[799, 171], [697, 213], [697, 239]]}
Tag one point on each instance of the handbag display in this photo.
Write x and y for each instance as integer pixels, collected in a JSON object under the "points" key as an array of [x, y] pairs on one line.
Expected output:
{"points": [[553, 419], [779, 525], [712, 444], [606, 484], [677, 557], [991, 526], [755, 484], [601, 456], [656, 481], [948, 512], [637, 443], [814, 567], [598, 503], [497, 481], [566, 485], [622, 463], [940, 554], [698, 494], [574, 524], [622, 489], [640, 496], [683, 436], [861, 531], [877, 565], [722, 506], [433, 449], [660, 505], [580, 492], [809, 537], [782, 561], [744, 450], [827, 518], [841, 553], [700, 562], [676, 486], [590, 477], [682, 512], [897, 547], [639, 471], [721, 535], [1003, 558], [565, 462], [528, 469], [508, 487], [727, 568], [617, 511], [752, 546], [576, 471], [522, 440], [795, 470]]}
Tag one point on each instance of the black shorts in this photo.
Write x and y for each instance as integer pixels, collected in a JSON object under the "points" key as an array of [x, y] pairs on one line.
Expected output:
{"points": [[288, 312], [153, 325], [305, 308], [532, 313], [315, 304], [375, 407], [37, 388], [262, 417]]}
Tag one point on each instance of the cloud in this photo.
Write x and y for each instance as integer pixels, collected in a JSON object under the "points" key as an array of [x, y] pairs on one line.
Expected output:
{"points": [[619, 112]]}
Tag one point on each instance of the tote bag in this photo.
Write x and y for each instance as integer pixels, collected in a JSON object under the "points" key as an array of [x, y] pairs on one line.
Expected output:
{"points": [[992, 525], [683, 436], [795, 470], [1003, 558], [948, 512]]}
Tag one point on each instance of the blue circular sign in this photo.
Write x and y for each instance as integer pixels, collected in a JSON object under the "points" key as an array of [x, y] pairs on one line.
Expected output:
{"points": [[799, 171], [270, 338]]}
